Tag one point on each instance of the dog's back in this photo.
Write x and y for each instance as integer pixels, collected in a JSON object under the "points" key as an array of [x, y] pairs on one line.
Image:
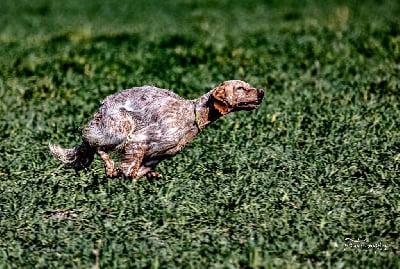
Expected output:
{"points": [[130, 114]]}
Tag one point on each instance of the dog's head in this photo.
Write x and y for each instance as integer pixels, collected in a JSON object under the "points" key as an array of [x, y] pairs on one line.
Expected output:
{"points": [[234, 95]]}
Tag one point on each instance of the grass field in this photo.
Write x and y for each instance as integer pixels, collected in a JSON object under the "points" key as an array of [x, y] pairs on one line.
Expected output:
{"points": [[308, 180]]}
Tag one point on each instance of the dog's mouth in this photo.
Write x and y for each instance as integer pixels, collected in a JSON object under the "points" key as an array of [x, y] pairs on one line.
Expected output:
{"points": [[248, 105]]}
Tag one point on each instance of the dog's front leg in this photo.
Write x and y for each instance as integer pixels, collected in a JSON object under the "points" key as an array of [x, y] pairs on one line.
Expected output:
{"points": [[148, 172], [132, 160], [111, 171]]}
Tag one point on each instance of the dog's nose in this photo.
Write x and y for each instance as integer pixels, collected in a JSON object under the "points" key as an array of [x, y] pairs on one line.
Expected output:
{"points": [[260, 93]]}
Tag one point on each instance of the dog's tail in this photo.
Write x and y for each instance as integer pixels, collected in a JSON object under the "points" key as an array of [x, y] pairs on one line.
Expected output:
{"points": [[78, 158]]}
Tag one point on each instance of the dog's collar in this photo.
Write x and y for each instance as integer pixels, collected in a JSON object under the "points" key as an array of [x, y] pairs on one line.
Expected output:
{"points": [[196, 116]]}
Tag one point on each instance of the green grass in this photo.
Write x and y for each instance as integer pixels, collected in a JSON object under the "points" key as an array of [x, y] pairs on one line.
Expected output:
{"points": [[284, 186]]}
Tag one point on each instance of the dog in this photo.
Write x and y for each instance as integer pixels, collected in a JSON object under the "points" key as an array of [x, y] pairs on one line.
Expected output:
{"points": [[146, 125]]}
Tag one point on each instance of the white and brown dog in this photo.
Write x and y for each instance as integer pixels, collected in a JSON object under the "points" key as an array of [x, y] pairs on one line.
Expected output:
{"points": [[147, 124]]}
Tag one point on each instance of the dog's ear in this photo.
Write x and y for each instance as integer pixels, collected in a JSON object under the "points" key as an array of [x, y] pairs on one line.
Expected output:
{"points": [[219, 99]]}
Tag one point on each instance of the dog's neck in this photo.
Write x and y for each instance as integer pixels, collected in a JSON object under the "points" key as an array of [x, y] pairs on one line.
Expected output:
{"points": [[205, 112]]}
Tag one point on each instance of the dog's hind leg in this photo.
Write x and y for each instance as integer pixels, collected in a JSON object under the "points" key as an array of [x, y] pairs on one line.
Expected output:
{"points": [[111, 171]]}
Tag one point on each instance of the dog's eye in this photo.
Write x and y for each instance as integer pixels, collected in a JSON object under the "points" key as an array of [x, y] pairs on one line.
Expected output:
{"points": [[240, 88]]}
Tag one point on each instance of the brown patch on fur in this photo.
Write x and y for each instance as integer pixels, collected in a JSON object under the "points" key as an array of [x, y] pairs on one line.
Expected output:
{"points": [[220, 102]]}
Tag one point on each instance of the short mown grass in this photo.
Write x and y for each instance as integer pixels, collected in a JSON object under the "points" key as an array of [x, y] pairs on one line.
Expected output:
{"points": [[308, 180]]}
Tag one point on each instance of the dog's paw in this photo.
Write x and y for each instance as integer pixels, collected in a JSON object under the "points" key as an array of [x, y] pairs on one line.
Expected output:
{"points": [[116, 172], [153, 175]]}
